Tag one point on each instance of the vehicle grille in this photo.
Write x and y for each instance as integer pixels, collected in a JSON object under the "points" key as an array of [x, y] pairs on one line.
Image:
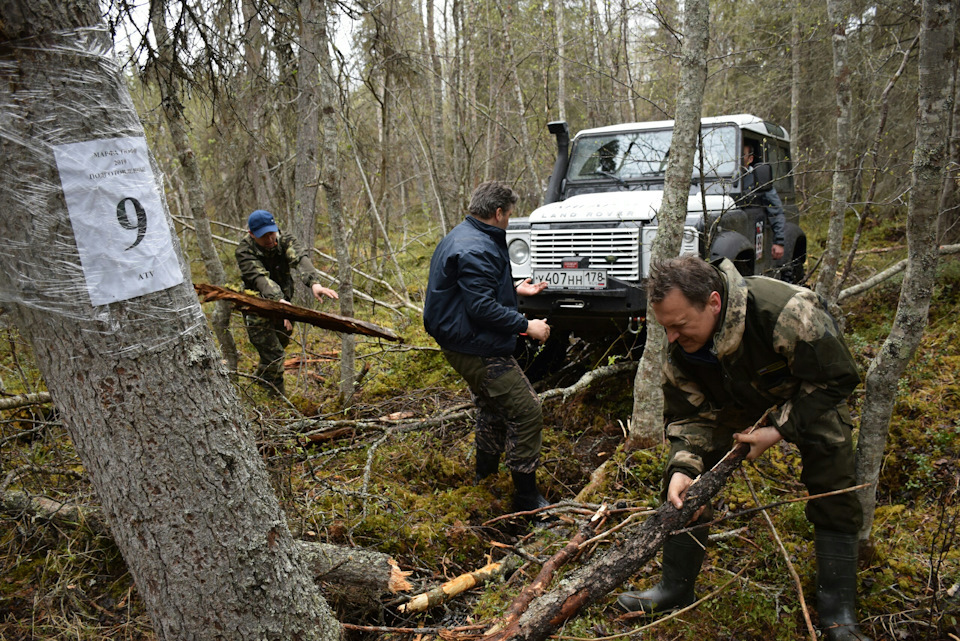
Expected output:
{"points": [[550, 246]]}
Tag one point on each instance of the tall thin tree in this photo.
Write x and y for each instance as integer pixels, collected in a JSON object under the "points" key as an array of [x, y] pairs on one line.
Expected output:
{"points": [[838, 13], [937, 52], [646, 425], [168, 72]]}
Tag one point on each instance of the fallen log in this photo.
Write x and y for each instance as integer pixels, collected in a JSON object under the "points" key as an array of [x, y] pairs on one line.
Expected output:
{"points": [[545, 576], [355, 570], [634, 547], [277, 310]]}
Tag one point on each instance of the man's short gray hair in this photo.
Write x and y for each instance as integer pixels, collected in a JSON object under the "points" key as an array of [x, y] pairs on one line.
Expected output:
{"points": [[691, 275], [490, 196]]}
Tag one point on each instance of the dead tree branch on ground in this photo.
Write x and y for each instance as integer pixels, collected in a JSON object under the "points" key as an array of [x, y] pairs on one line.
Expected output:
{"points": [[607, 571]]}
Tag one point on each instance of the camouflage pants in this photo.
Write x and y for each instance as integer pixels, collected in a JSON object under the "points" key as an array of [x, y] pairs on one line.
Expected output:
{"points": [[827, 457], [509, 418], [270, 339]]}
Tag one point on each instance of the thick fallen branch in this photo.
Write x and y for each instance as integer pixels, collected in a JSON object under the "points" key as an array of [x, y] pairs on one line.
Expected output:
{"points": [[351, 568], [558, 560], [277, 310], [611, 569], [14, 402], [332, 279], [354, 567]]}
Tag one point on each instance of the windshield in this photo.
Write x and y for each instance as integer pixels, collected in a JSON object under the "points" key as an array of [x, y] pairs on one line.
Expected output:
{"points": [[644, 154]]}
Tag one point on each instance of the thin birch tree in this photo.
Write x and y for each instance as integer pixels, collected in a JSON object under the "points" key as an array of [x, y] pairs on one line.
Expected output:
{"points": [[937, 52], [838, 13], [646, 424]]}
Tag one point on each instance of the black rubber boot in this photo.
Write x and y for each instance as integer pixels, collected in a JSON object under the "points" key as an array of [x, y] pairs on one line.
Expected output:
{"points": [[487, 465], [682, 557], [526, 496], [837, 585]]}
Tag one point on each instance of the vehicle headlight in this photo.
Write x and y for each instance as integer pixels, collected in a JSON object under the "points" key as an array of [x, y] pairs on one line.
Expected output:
{"points": [[689, 236], [519, 251]]}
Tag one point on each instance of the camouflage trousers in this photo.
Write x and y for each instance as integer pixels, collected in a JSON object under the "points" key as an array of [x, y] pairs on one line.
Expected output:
{"points": [[270, 339], [827, 457], [509, 418]]}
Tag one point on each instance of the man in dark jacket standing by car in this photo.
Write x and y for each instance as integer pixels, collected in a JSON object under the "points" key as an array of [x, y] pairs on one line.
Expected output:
{"points": [[268, 261], [471, 311], [739, 346]]}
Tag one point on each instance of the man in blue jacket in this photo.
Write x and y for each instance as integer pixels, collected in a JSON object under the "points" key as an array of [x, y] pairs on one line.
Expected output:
{"points": [[471, 311]]}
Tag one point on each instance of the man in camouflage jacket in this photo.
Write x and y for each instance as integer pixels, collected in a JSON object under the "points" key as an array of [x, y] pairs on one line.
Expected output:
{"points": [[268, 260], [739, 346]]}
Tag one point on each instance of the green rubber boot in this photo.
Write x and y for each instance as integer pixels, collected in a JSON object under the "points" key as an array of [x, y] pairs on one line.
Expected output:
{"points": [[683, 556], [837, 585]]}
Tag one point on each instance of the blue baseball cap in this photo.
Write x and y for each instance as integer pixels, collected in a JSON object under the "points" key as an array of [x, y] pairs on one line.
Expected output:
{"points": [[261, 222]]}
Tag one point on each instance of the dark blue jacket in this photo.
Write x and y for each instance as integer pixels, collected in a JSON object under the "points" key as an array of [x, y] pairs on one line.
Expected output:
{"points": [[471, 304]]}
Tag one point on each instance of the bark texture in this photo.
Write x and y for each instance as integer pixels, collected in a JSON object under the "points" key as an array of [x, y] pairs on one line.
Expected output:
{"points": [[139, 384], [646, 425], [838, 13], [937, 52], [353, 569]]}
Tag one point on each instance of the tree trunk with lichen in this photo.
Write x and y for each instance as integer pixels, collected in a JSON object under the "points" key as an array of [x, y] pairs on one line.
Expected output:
{"points": [[838, 13], [937, 52], [646, 423], [138, 383]]}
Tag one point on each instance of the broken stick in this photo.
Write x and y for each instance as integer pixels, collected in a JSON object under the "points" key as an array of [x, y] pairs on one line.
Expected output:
{"points": [[464, 582]]}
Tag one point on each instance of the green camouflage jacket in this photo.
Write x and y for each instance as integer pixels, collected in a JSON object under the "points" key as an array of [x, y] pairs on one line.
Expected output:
{"points": [[270, 272], [776, 345]]}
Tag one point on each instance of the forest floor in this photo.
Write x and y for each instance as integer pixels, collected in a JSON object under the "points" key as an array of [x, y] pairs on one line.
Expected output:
{"points": [[409, 493]]}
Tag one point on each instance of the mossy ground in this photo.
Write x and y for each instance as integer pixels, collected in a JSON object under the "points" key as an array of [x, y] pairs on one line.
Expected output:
{"points": [[420, 505]]}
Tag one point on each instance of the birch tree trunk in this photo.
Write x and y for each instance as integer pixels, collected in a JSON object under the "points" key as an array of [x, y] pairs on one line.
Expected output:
{"points": [[796, 78], [646, 424], [438, 139], [330, 180], [937, 52], [138, 383], [167, 73], [838, 13]]}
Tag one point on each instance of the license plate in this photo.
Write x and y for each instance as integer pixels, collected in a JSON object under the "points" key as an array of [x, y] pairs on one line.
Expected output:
{"points": [[572, 278]]}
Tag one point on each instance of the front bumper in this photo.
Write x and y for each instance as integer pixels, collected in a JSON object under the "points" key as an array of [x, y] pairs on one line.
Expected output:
{"points": [[603, 311]]}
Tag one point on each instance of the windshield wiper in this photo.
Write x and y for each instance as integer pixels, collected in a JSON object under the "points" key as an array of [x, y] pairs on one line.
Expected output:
{"points": [[619, 180]]}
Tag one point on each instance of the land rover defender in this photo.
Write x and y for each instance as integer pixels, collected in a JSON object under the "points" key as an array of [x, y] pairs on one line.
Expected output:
{"points": [[591, 240]]}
